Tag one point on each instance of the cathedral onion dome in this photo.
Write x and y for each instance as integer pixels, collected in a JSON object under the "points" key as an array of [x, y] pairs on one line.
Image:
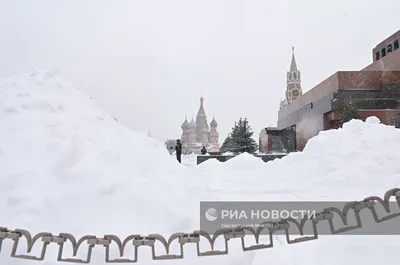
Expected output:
{"points": [[192, 124], [185, 125], [214, 123]]}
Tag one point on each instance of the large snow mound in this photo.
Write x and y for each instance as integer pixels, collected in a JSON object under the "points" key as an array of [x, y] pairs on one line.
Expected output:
{"points": [[351, 163], [337, 164], [66, 166]]}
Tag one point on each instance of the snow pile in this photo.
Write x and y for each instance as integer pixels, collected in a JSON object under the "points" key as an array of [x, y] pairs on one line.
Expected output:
{"points": [[351, 163], [358, 158], [143, 131], [189, 160], [68, 167], [244, 161]]}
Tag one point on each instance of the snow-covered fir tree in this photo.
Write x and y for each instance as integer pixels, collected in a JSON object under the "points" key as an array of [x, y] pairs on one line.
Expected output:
{"points": [[240, 139]]}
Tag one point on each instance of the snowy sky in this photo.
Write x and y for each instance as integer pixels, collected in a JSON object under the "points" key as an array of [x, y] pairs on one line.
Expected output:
{"points": [[148, 61]]}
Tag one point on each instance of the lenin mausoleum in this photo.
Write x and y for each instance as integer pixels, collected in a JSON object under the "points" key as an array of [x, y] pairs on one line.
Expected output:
{"points": [[375, 90]]}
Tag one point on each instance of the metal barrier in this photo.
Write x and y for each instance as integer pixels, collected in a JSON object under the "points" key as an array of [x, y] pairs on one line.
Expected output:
{"points": [[224, 158], [183, 239]]}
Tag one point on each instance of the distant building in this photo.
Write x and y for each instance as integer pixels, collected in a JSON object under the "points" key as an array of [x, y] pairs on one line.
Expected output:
{"points": [[196, 134], [375, 90]]}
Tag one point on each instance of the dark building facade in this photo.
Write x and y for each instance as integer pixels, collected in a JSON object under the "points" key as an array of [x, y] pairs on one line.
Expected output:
{"points": [[375, 90]]}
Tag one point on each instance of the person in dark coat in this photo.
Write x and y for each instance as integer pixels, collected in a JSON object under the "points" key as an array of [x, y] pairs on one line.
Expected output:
{"points": [[178, 149], [203, 150]]}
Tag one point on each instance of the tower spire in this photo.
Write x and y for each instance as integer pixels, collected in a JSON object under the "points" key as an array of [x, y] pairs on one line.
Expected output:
{"points": [[293, 89], [293, 65]]}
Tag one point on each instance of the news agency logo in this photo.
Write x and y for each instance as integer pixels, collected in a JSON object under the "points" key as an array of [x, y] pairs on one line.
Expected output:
{"points": [[267, 214], [211, 214]]}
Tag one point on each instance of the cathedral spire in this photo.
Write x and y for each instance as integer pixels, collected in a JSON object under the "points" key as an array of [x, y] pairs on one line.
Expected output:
{"points": [[201, 112], [201, 123]]}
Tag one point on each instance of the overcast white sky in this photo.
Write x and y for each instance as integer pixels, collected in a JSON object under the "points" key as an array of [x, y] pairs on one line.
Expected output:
{"points": [[148, 61]]}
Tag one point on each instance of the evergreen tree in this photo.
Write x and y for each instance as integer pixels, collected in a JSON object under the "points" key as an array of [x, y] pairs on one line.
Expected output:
{"points": [[348, 112], [397, 120], [240, 140], [170, 145], [226, 145]]}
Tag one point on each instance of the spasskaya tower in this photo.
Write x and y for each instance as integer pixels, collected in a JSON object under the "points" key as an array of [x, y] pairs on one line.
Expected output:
{"points": [[293, 87]]}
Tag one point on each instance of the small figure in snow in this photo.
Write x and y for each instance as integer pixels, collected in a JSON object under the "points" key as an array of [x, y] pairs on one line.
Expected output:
{"points": [[203, 150], [178, 149]]}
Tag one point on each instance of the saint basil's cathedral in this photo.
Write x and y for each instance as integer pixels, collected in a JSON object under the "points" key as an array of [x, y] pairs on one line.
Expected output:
{"points": [[196, 134]]}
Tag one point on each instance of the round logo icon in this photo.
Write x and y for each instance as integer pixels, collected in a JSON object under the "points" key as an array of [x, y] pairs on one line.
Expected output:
{"points": [[211, 214]]}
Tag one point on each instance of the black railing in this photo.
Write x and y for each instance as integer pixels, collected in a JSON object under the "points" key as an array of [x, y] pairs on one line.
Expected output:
{"points": [[224, 158]]}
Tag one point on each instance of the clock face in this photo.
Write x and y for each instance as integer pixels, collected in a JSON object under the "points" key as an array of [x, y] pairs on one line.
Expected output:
{"points": [[295, 93]]}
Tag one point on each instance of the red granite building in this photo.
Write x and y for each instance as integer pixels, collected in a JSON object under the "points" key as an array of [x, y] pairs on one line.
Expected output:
{"points": [[375, 90]]}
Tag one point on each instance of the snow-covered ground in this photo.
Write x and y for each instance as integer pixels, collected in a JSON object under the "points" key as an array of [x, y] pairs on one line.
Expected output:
{"points": [[66, 166], [189, 160]]}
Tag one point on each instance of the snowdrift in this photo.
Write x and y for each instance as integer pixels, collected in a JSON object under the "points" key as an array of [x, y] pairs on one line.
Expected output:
{"points": [[68, 167], [337, 164], [351, 163]]}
